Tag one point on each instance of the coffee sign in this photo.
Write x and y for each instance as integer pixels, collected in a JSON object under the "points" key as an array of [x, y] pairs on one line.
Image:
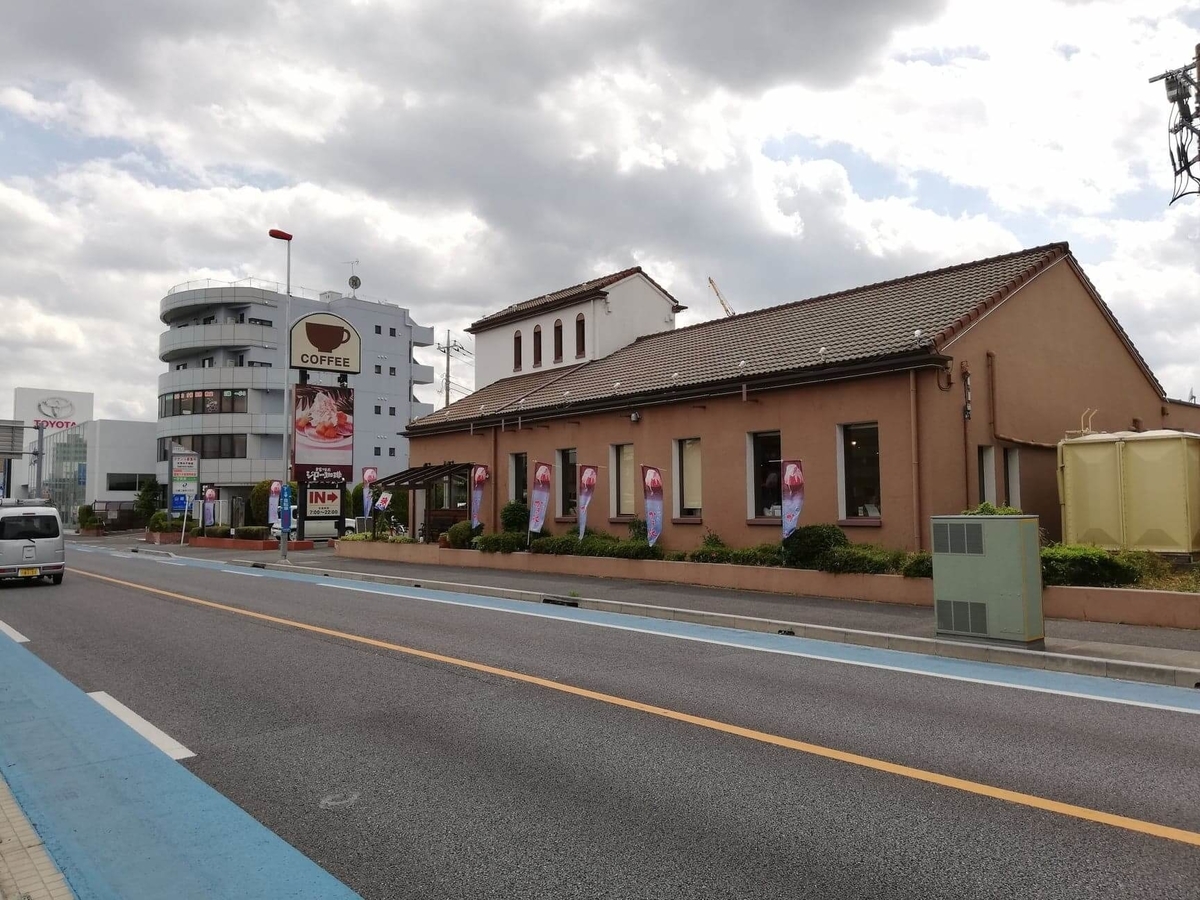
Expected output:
{"points": [[323, 342]]}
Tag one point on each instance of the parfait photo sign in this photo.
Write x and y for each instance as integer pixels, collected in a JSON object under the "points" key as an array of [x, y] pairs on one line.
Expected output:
{"points": [[539, 497], [479, 477], [652, 487], [588, 476], [793, 494]]}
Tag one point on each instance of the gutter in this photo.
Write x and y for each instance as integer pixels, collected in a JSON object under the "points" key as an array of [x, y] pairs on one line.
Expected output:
{"points": [[996, 435]]}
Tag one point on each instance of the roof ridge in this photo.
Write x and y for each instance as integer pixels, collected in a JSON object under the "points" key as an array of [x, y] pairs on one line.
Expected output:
{"points": [[1044, 249], [611, 277]]}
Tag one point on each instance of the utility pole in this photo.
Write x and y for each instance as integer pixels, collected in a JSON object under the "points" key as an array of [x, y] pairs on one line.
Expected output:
{"points": [[1183, 126], [41, 455], [451, 344]]}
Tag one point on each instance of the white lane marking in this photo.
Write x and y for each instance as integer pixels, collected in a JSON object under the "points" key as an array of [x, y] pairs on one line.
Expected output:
{"points": [[13, 633], [236, 572], [168, 562], [120, 555], [1124, 701], [152, 733]]}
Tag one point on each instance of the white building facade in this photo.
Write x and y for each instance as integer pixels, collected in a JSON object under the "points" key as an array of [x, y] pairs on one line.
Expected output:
{"points": [[223, 392], [52, 408], [571, 326]]}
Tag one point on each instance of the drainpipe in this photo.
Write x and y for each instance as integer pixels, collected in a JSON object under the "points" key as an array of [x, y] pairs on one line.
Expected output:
{"points": [[916, 462], [966, 420]]}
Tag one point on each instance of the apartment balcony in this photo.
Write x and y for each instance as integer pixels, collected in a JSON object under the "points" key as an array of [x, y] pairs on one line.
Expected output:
{"points": [[222, 378], [423, 374], [195, 339]]}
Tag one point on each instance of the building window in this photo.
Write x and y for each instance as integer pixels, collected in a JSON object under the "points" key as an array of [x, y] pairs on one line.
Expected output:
{"points": [[567, 489], [391, 410], [207, 362], [860, 471], [517, 352], [265, 323], [580, 336], [241, 318], [377, 452], [210, 446], [378, 410], [379, 370], [211, 403], [764, 459], [624, 481], [537, 345], [121, 481], [253, 364], [391, 451], [687, 470], [1012, 477], [518, 477], [179, 367], [208, 320], [391, 332], [392, 370], [241, 360], [379, 329], [987, 475], [558, 340]]}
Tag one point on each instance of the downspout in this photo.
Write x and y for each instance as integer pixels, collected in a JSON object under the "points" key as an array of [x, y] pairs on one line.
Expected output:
{"points": [[966, 420], [916, 462]]}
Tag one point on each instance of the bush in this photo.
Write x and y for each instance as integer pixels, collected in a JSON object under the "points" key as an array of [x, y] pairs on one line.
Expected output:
{"points": [[712, 539], [805, 547], [159, 522], [397, 539], [637, 530], [762, 555], [986, 509], [147, 499], [365, 536], [504, 542], [632, 550], [194, 531], [1086, 566], [217, 531], [87, 516], [862, 559], [253, 533], [709, 554], [565, 545], [918, 565], [675, 556], [461, 534], [1149, 566], [514, 517]]}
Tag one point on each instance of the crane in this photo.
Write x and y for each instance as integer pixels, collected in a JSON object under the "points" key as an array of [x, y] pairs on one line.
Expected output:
{"points": [[724, 303]]}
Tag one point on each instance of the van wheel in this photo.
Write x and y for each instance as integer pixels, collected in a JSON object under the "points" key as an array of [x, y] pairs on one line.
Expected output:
{"points": [[56, 579]]}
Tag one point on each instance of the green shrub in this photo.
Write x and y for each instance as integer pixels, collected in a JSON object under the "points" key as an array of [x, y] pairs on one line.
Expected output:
{"points": [[762, 555], [862, 559], [364, 536], [217, 531], [674, 556], [637, 530], [711, 554], [987, 509], [514, 517], [159, 522], [461, 534], [87, 515], [564, 545], [918, 565], [504, 542], [195, 531], [805, 547], [1086, 566], [253, 533], [1149, 566], [633, 550], [397, 539], [712, 539]]}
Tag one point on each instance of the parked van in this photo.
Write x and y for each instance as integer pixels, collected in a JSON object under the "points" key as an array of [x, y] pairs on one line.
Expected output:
{"points": [[31, 541]]}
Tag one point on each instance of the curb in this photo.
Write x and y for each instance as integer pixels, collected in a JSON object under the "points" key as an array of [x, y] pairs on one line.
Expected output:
{"points": [[953, 649]]}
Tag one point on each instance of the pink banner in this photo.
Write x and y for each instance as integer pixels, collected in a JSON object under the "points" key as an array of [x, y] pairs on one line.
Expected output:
{"points": [[539, 497], [479, 477], [652, 489], [793, 493], [587, 486]]}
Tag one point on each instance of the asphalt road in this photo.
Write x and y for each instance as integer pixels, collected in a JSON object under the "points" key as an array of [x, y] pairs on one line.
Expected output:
{"points": [[411, 777]]}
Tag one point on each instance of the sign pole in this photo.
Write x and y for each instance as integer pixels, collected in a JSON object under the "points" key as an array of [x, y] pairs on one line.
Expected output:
{"points": [[288, 415]]}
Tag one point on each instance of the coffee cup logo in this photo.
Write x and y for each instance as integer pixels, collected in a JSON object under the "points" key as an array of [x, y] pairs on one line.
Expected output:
{"points": [[326, 338]]}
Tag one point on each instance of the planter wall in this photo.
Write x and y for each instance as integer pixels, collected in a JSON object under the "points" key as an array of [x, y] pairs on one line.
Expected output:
{"points": [[163, 537], [1116, 605], [235, 544]]}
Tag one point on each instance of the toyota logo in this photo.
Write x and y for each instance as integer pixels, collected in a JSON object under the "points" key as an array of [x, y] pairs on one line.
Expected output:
{"points": [[56, 407]]}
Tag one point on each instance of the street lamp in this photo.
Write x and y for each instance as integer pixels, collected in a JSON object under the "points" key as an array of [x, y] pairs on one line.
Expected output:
{"points": [[286, 491]]}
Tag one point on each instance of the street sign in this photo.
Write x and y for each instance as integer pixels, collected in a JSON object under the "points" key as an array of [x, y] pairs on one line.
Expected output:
{"points": [[323, 502], [179, 502], [285, 508], [384, 501], [81, 474], [185, 473]]}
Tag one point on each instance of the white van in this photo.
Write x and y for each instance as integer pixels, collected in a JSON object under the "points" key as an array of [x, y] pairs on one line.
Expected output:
{"points": [[31, 541]]}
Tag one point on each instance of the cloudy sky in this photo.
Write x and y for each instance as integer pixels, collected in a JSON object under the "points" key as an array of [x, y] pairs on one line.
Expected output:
{"points": [[471, 153]]}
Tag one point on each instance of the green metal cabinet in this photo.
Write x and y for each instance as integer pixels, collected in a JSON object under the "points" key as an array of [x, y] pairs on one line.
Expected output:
{"points": [[987, 578]]}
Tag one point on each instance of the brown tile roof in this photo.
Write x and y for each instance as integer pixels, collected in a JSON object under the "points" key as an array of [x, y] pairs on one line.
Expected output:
{"points": [[560, 298], [876, 322]]}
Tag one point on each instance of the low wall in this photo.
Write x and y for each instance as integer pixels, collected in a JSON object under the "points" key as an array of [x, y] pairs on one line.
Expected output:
{"points": [[236, 544], [1115, 605], [163, 537]]}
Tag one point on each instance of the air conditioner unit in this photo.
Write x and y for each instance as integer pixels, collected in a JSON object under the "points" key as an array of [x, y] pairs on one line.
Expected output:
{"points": [[987, 578]]}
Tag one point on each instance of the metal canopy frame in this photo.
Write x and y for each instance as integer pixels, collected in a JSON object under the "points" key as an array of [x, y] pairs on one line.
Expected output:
{"points": [[422, 477]]}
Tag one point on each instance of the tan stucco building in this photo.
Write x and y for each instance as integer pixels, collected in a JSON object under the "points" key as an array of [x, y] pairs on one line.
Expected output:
{"points": [[904, 399]]}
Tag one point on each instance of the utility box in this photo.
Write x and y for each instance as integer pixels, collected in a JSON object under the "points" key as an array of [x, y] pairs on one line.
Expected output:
{"points": [[987, 578]]}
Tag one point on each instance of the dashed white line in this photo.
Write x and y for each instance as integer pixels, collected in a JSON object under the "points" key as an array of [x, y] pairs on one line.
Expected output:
{"points": [[152, 733], [236, 572], [13, 633]]}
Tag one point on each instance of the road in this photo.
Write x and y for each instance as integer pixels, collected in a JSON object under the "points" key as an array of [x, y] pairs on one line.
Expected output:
{"points": [[420, 749]]}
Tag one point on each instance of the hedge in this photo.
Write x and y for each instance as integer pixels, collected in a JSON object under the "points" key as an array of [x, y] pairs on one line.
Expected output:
{"points": [[253, 533], [504, 542], [863, 559], [1086, 566], [918, 565], [460, 535], [807, 545], [514, 517]]}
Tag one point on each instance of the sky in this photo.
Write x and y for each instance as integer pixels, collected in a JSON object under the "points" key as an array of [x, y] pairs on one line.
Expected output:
{"points": [[475, 153]]}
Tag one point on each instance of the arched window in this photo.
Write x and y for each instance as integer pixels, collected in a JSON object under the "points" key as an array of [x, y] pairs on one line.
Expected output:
{"points": [[558, 340], [537, 345], [517, 352], [580, 336]]}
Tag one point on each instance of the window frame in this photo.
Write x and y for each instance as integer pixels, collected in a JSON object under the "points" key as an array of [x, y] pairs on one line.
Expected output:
{"points": [[580, 336], [846, 512], [558, 340], [756, 496], [379, 329], [517, 354], [518, 487], [537, 346], [566, 500], [617, 481], [680, 482]]}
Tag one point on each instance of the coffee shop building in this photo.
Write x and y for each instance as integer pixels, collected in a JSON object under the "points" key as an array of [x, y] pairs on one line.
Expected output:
{"points": [[904, 399]]}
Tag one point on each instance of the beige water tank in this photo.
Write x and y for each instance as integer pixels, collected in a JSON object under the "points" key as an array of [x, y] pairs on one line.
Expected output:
{"points": [[1131, 490]]}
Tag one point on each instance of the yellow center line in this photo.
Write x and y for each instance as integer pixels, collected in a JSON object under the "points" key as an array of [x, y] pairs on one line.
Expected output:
{"points": [[854, 759]]}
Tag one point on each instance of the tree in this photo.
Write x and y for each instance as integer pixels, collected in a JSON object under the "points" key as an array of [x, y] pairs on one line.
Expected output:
{"points": [[148, 499]]}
